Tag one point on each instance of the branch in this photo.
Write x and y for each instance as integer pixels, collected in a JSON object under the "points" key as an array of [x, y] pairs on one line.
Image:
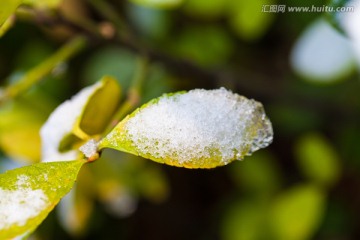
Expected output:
{"points": [[182, 68]]}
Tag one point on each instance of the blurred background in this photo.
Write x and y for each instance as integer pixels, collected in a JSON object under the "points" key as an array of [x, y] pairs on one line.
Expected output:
{"points": [[303, 66]]}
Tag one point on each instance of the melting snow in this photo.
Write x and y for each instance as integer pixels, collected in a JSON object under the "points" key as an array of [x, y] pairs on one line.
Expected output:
{"points": [[89, 149], [196, 124], [18, 206], [61, 122]]}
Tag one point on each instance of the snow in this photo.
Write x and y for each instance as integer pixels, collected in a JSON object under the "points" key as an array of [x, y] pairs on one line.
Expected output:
{"points": [[89, 149], [19, 205], [60, 123], [23, 181], [199, 123], [322, 54], [350, 22]]}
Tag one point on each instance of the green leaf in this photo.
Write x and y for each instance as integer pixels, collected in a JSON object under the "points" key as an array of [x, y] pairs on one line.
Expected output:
{"points": [[317, 159], [243, 221], [198, 129], [259, 175], [297, 213], [208, 46], [162, 4], [205, 8], [28, 194], [7, 8], [247, 19]]}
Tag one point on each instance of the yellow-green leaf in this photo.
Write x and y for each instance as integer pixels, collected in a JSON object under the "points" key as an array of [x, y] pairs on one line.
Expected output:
{"points": [[317, 159], [43, 3], [158, 3], [77, 119], [197, 129], [100, 107], [20, 123], [297, 213], [6, 25], [7, 8], [22, 143], [28, 194]]}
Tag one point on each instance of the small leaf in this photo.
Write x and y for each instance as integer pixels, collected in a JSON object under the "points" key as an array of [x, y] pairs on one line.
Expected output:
{"points": [[297, 213], [162, 4], [317, 159], [79, 118], [198, 129], [243, 221], [28, 194], [241, 11], [100, 107]]}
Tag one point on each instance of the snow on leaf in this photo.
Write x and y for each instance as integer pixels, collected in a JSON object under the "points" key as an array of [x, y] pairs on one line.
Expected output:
{"points": [[28, 194], [198, 129], [60, 123], [77, 118]]}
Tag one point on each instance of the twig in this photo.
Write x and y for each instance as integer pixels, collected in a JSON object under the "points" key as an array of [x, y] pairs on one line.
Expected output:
{"points": [[36, 74]]}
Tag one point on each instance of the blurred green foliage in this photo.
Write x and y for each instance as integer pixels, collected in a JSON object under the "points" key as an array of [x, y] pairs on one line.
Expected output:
{"points": [[304, 186]]}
